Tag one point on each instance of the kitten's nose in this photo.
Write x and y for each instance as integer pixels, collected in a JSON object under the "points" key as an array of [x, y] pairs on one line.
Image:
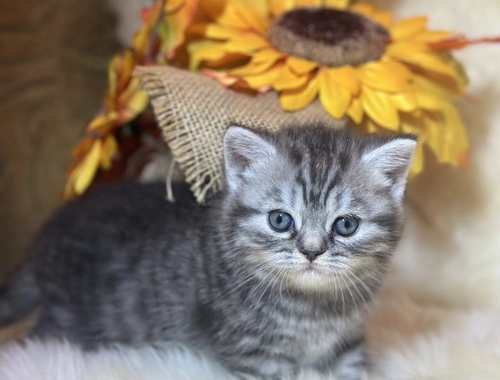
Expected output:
{"points": [[311, 254]]}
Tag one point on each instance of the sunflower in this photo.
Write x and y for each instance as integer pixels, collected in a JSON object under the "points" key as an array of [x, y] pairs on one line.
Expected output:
{"points": [[383, 75]]}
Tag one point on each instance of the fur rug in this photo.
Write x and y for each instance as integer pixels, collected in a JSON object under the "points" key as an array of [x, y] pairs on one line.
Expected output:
{"points": [[439, 315], [407, 342]]}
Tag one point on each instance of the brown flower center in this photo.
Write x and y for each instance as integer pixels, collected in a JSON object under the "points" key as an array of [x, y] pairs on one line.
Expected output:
{"points": [[328, 36]]}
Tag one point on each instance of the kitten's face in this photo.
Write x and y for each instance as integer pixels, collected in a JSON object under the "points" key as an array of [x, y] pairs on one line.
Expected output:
{"points": [[314, 214]]}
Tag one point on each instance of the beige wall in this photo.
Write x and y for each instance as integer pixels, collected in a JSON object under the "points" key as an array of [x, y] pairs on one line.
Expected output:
{"points": [[53, 59]]}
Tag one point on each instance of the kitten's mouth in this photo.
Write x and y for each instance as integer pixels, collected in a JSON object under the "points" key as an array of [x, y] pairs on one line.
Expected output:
{"points": [[311, 268]]}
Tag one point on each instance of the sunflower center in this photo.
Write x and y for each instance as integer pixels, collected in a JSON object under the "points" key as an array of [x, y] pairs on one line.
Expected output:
{"points": [[328, 36]]}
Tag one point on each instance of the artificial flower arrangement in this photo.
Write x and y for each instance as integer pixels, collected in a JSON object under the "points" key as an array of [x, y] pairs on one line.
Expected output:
{"points": [[384, 75]]}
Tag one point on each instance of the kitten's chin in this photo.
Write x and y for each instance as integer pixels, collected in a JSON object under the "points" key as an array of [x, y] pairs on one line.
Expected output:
{"points": [[311, 278]]}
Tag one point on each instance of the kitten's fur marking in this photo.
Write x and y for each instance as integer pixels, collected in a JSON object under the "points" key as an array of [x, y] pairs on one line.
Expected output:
{"points": [[122, 265]]}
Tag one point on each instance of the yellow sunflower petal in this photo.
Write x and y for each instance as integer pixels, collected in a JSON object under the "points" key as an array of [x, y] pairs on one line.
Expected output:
{"points": [[301, 66], [428, 101], [109, 148], [264, 79], [379, 107], [380, 17], [246, 44], [288, 79], [85, 173], [429, 36], [231, 19], [457, 136], [404, 101], [211, 9], [415, 126], [134, 106], [334, 97], [347, 77], [385, 76], [261, 61], [293, 100], [307, 3], [261, 7], [219, 32], [408, 28], [417, 163], [204, 51], [460, 79], [278, 7], [355, 111], [340, 4], [420, 56], [436, 86], [265, 55], [252, 19], [370, 126]]}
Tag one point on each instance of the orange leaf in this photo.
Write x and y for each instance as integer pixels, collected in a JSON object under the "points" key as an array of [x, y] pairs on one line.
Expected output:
{"points": [[460, 42]]}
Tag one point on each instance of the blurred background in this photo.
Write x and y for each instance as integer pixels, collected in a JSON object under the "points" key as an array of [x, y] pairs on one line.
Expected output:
{"points": [[53, 66], [53, 62]]}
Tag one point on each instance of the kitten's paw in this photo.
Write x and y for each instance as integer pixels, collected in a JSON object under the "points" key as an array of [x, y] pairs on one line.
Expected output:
{"points": [[353, 365]]}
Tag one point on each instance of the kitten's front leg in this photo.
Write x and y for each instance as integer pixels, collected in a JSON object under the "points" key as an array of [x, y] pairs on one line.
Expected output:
{"points": [[353, 364]]}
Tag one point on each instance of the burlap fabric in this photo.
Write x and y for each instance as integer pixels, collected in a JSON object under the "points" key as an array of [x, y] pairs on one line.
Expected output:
{"points": [[194, 111]]}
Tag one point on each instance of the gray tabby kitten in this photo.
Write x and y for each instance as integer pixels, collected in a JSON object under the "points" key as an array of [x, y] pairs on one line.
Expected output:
{"points": [[274, 276]]}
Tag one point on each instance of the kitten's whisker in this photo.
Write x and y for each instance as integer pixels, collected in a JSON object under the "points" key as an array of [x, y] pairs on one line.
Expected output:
{"points": [[342, 297], [270, 283], [252, 277], [349, 290], [370, 293], [259, 285]]}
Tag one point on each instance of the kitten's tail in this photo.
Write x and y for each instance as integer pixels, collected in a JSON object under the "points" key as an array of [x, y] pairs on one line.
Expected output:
{"points": [[19, 296]]}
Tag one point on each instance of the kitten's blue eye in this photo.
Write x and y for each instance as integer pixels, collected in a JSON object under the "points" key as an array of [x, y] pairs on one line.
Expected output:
{"points": [[345, 225], [280, 221]]}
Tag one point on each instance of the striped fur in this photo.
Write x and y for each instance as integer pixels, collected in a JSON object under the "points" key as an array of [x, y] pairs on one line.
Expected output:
{"points": [[122, 265]]}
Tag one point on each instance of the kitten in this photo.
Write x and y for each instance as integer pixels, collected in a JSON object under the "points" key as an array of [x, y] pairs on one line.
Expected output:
{"points": [[274, 276]]}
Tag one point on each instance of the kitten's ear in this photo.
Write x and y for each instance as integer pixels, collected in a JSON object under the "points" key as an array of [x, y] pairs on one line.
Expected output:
{"points": [[391, 162], [242, 150]]}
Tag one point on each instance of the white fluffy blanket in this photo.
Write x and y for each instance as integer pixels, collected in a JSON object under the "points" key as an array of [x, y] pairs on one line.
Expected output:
{"points": [[443, 321], [407, 341]]}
